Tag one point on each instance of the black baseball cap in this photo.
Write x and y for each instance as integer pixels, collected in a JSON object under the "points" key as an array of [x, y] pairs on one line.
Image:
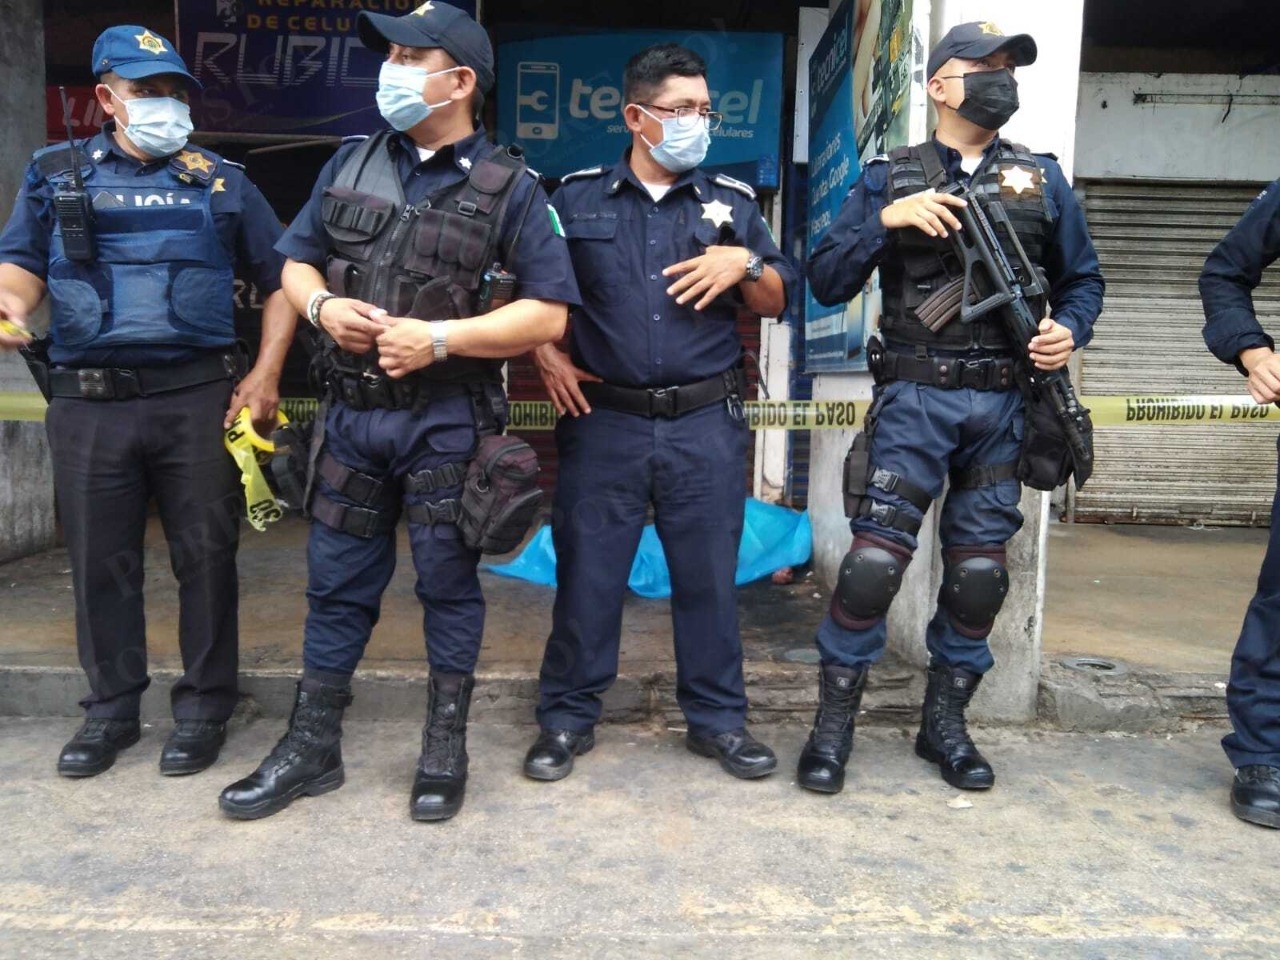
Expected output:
{"points": [[973, 41], [433, 24]]}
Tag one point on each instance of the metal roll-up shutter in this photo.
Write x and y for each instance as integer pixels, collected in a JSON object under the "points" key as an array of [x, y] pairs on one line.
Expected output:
{"points": [[1152, 239]]}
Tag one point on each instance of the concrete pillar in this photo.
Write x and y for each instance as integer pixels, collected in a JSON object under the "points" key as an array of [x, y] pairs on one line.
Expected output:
{"points": [[1046, 122], [26, 475]]}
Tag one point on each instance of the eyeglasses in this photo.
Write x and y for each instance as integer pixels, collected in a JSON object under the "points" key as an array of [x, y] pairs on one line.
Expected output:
{"points": [[688, 116]]}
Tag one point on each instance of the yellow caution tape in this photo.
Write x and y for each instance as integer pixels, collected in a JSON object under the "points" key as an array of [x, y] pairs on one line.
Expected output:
{"points": [[251, 453], [534, 415], [11, 329]]}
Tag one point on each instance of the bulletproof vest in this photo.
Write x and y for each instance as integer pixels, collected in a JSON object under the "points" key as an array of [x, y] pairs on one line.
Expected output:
{"points": [[425, 261], [161, 275], [925, 264]]}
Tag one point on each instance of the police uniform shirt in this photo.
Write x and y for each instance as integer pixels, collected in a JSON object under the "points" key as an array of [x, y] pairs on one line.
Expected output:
{"points": [[540, 260], [247, 228], [1232, 271], [851, 248], [630, 331]]}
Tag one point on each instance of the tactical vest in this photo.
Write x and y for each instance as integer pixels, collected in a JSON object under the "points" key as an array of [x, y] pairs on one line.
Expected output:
{"points": [[161, 275], [425, 261], [925, 264]]}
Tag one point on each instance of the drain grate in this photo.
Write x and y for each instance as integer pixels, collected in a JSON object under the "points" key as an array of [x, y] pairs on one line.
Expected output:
{"points": [[1096, 666]]}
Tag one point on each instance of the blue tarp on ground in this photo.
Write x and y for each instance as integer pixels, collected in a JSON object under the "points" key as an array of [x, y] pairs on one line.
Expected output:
{"points": [[772, 537]]}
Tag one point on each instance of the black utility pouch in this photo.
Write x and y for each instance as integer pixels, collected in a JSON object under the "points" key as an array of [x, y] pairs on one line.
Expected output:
{"points": [[288, 468], [500, 496], [1045, 461]]}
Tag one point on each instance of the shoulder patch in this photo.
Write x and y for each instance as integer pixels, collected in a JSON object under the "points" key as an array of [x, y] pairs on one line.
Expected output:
{"points": [[597, 171], [732, 184]]}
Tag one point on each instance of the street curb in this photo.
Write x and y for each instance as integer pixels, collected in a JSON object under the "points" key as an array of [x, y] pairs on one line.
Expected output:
{"points": [[1132, 702]]}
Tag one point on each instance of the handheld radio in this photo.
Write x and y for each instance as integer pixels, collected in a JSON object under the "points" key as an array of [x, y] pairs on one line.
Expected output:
{"points": [[72, 204]]}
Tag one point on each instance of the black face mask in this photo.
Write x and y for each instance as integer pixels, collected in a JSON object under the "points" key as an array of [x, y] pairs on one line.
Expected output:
{"points": [[990, 98]]}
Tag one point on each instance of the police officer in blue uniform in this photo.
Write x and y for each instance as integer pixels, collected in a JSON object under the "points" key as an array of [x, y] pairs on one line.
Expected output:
{"points": [[945, 403], [1234, 335], [390, 258], [664, 254], [139, 370]]}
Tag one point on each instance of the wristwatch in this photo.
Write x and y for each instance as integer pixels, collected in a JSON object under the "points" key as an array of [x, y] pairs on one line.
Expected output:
{"points": [[314, 304], [755, 267], [439, 341]]}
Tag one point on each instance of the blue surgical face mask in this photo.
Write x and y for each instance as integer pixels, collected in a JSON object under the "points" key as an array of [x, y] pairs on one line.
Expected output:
{"points": [[158, 126], [400, 90], [682, 148]]}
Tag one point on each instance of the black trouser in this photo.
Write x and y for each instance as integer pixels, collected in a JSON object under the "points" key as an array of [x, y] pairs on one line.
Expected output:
{"points": [[109, 457]]}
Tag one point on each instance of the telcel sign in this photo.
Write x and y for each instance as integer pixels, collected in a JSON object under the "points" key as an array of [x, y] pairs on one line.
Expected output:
{"points": [[561, 98]]}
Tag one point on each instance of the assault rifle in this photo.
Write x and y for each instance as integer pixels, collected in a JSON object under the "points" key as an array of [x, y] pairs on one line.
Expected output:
{"points": [[993, 282]]}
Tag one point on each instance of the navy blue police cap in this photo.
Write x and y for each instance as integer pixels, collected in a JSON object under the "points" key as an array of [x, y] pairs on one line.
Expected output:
{"points": [[433, 24], [135, 52], [973, 41]]}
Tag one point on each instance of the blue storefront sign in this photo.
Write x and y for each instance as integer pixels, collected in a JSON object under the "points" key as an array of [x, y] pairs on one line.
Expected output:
{"points": [[560, 96], [833, 335], [284, 67]]}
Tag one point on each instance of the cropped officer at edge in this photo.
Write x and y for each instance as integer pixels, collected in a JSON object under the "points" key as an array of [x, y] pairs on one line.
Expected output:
{"points": [[141, 382], [946, 403], [1233, 334], [388, 257], [653, 385]]}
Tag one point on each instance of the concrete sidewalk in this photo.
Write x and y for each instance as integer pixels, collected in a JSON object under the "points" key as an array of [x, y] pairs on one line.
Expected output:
{"points": [[1163, 603], [1089, 846]]}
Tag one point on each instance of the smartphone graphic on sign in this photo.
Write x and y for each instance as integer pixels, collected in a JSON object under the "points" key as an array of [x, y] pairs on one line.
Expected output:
{"points": [[538, 101]]}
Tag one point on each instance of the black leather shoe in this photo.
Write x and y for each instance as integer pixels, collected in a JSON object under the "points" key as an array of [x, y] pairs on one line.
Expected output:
{"points": [[193, 746], [1255, 795], [95, 746], [739, 753], [551, 756]]}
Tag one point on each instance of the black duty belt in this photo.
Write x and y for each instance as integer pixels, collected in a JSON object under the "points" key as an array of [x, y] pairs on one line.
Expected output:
{"points": [[666, 401], [949, 373], [117, 383], [373, 392]]}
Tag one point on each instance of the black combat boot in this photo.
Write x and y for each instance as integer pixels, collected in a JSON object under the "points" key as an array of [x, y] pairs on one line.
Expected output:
{"points": [[944, 737], [441, 781], [307, 760], [822, 761]]}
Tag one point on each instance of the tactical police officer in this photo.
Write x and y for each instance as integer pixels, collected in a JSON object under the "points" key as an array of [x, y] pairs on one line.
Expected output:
{"points": [[1234, 335], [137, 256], [946, 404], [653, 384], [389, 258]]}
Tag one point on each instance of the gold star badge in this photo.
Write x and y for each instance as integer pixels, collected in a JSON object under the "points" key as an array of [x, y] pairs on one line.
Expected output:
{"points": [[718, 213], [991, 29], [149, 42], [1018, 179], [195, 161], [219, 185], [423, 10]]}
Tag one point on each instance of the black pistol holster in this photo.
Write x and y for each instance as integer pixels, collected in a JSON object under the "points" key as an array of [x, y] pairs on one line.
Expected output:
{"points": [[35, 353]]}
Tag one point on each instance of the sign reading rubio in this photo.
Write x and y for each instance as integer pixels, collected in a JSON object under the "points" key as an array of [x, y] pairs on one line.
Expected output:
{"points": [[293, 67], [560, 97]]}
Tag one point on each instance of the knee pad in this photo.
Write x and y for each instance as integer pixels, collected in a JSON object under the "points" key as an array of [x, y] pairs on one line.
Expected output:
{"points": [[870, 576], [973, 588]]}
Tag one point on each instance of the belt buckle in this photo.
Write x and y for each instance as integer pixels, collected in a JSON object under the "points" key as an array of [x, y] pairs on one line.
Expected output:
{"points": [[662, 402], [96, 384]]}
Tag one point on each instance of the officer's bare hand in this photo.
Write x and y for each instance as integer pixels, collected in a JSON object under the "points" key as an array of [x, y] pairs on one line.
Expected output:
{"points": [[1263, 365], [13, 321], [404, 345], [351, 323], [1051, 347], [260, 392], [561, 378], [706, 277], [928, 211]]}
